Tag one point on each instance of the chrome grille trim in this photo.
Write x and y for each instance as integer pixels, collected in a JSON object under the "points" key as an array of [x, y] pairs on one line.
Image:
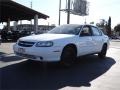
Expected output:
{"points": [[26, 43]]}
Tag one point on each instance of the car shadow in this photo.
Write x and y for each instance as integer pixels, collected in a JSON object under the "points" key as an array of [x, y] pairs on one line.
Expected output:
{"points": [[35, 75]]}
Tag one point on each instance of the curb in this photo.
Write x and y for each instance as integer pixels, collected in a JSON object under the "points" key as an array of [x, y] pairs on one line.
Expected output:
{"points": [[115, 40]]}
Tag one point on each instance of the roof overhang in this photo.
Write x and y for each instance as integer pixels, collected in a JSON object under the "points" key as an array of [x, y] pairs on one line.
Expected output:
{"points": [[16, 11]]}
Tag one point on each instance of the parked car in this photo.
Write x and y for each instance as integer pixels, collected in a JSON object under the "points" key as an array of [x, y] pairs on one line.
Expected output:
{"points": [[13, 35], [63, 43]]}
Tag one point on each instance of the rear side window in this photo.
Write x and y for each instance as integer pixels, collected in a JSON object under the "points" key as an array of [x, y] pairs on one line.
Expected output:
{"points": [[96, 31]]}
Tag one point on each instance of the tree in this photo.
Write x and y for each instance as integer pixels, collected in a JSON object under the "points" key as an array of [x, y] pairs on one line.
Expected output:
{"points": [[102, 22], [117, 28], [109, 27], [105, 26], [102, 25]]}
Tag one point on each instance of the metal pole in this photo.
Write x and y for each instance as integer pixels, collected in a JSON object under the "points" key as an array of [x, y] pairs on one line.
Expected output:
{"points": [[8, 24], [31, 8], [59, 11], [36, 23], [31, 19], [68, 13]]}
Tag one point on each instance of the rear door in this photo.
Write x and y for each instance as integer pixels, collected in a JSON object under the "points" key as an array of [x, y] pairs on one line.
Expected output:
{"points": [[97, 39]]}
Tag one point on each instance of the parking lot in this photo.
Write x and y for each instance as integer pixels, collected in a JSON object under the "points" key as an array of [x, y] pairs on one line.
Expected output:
{"points": [[88, 73]]}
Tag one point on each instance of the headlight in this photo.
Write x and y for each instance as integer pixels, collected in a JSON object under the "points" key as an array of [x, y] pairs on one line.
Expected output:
{"points": [[44, 44]]}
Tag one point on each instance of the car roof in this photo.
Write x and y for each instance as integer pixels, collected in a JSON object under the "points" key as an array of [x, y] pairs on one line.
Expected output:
{"points": [[79, 25]]}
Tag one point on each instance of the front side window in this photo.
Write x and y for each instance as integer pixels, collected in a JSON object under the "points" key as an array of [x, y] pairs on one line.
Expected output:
{"points": [[96, 31]]}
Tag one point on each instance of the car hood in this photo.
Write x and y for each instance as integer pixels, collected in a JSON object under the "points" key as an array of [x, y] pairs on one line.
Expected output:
{"points": [[45, 37]]}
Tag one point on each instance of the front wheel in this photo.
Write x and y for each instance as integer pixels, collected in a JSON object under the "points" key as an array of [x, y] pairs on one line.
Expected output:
{"points": [[102, 54], [68, 56]]}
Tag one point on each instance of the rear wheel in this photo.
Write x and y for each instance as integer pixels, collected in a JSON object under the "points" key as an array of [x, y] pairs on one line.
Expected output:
{"points": [[68, 56], [102, 54]]}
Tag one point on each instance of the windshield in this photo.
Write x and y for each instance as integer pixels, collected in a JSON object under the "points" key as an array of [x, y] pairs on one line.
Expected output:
{"points": [[66, 29]]}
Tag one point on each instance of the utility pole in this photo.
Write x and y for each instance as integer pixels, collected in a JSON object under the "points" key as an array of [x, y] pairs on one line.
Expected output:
{"points": [[68, 4], [59, 12], [68, 12]]}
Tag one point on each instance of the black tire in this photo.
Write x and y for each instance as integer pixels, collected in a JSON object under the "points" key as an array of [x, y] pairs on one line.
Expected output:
{"points": [[103, 52], [68, 56]]}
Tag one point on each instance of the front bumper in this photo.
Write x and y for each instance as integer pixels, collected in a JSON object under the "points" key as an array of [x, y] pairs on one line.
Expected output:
{"points": [[45, 54]]}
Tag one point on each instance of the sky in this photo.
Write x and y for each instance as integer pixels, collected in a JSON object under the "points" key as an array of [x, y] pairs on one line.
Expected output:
{"points": [[98, 9]]}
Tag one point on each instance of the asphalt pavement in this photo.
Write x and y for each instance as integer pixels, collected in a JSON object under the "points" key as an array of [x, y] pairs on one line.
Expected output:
{"points": [[88, 73]]}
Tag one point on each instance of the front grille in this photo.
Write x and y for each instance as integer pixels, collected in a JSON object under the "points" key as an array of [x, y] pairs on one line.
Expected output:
{"points": [[26, 43], [25, 55]]}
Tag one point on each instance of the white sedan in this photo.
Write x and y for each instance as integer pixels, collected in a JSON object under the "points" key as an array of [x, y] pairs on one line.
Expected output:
{"points": [[63, 43]]}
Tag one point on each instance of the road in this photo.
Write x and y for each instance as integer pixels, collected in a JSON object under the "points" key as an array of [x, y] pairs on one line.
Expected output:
{"points": [[88, 73]]}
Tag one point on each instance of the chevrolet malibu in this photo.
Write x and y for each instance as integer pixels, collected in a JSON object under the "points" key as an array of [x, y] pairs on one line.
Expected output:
{"points": [[63, 43]]}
